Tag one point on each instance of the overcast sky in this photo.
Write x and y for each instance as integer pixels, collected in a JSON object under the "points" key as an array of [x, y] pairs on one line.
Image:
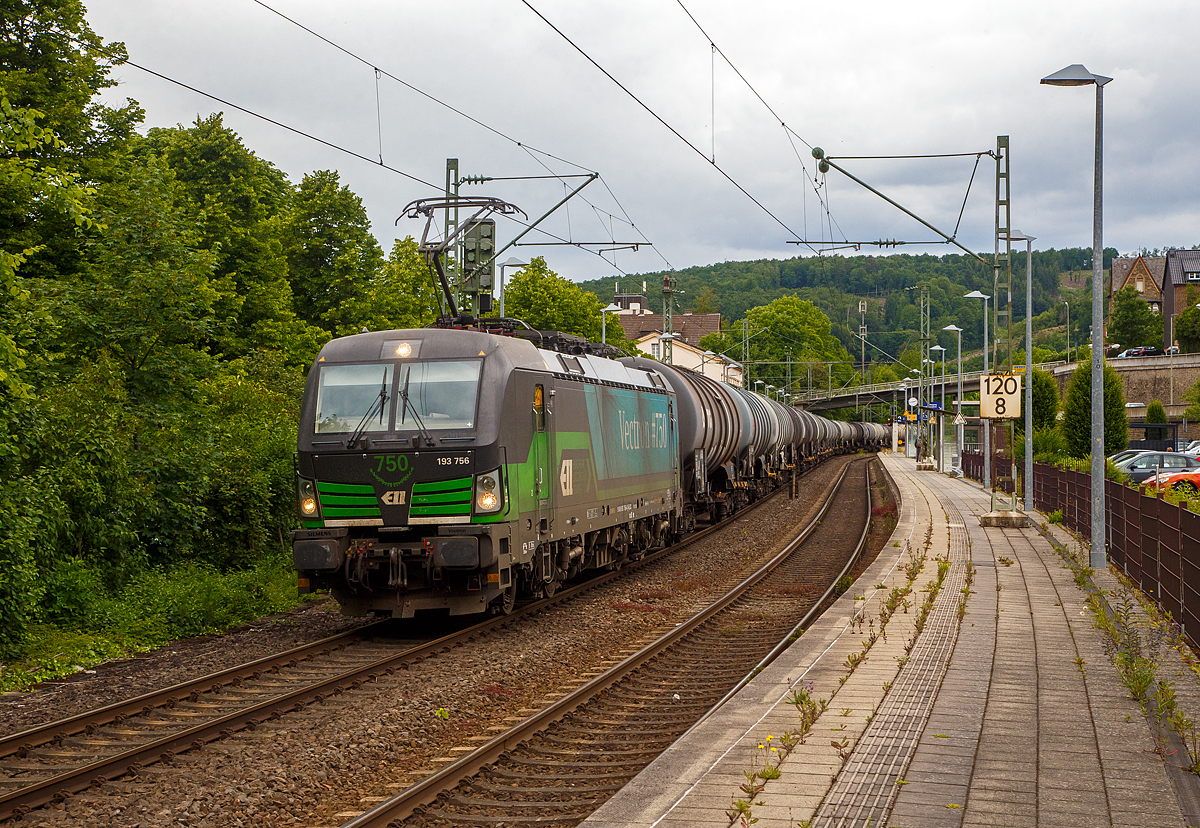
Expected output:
{"points": [[857, 77]]}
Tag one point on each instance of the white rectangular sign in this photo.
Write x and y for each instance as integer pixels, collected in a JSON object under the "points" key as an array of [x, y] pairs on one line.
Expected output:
{"points": [[1000, 397]]}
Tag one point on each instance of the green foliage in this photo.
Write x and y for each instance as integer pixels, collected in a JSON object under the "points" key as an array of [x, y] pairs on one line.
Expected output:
{"points": [[1155, 413], [153, 608], [788, 326], [238, 202], [1045, 401], [1132, 322], [836, 285], [332, 256], [144, 297], [1187, 329], [1192, 396], [1048, 443], [400, 295], [547, 302], [1077, 412]]}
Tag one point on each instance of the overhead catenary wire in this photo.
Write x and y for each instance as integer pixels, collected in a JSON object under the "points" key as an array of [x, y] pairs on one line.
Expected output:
{"points": [[661, 120], [282, 125], [415, 89], [788, 131], [532, 151]]}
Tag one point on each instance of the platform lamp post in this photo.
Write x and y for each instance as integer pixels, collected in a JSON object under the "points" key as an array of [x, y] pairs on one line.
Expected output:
{"points": [[986, 427], [513, 261], [1077, 75], [915, 403], [770, 388], [613, 307], [958, 429], [1068, 304], [1017, 235], [942, 428]]}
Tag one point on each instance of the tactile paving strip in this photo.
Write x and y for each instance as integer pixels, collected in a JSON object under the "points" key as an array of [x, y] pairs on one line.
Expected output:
{"points": [[866, 786]]}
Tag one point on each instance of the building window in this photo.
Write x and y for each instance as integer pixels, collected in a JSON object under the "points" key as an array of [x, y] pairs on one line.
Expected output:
{"points": [[654, 350], [1141, 286], [1193, 275]]}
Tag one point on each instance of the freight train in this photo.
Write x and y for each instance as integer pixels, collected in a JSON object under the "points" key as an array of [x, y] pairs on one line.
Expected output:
{"points": [[455, 470]]}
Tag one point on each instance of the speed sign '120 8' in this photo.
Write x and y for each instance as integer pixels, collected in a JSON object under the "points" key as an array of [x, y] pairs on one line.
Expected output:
{"points": [[1000, 397]]}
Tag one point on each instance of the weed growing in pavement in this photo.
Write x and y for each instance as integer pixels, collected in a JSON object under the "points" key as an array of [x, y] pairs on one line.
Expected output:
{"points": [[808, 708], [764, 766], [842, 747], [966, 591], [1161, 715], [1055, 517], [1189, 734]]}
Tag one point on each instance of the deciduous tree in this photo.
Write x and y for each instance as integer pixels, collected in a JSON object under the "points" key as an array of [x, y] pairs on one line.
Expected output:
{"points": [[548, 302], [1133, 323]]}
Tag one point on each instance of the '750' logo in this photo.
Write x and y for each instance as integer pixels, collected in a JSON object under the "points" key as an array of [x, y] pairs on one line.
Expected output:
{"points": [[393, 498]]}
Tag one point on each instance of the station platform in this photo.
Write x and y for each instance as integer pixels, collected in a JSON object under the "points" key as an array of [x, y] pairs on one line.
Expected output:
{"points": [[1001, 710]]}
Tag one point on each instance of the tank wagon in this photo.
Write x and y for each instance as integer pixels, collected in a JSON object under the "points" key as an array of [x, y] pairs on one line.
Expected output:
{"points": [[450, 469]]}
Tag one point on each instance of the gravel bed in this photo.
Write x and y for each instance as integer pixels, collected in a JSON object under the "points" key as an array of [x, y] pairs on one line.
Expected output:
{"points": [[319, 766]]}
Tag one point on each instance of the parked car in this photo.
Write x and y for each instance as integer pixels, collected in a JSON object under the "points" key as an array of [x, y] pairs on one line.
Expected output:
{"points": [[1192, 448], [1142, 466], [1174, 349], [1121, 456], [1187, 481], [1151, 350]]}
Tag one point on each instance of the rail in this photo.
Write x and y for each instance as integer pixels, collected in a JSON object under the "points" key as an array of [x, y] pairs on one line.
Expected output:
{"points": [[426, 791], [77, 778]]}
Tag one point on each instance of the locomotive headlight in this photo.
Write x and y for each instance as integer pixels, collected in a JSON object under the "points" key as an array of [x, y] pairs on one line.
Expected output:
{"points": [[400, 349], [306, 493], [487, 492]]}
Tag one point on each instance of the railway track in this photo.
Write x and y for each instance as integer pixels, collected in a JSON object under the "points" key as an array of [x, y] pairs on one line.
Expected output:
{"points": [[50, 762], [556, 767]]}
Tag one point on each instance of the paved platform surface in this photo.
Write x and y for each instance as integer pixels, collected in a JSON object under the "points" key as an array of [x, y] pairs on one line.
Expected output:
{"points": [[1000, 711]]}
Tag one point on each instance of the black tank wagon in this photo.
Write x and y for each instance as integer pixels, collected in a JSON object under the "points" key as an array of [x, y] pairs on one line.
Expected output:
{"points": [[451, 469]]}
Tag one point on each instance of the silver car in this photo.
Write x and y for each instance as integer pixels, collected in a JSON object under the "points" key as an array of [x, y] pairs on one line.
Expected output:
{"points": [[1146, 464]]}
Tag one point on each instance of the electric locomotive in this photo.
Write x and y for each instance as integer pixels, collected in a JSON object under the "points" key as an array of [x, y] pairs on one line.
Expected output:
{"points": [[449, 469]]}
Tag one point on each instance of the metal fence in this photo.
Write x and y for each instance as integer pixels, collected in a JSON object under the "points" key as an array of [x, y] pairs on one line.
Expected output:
{"points": [[972, 466], [1156, 543]]}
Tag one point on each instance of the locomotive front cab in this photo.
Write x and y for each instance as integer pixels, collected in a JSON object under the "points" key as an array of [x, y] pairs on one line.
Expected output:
{"points": [[402, 486]]}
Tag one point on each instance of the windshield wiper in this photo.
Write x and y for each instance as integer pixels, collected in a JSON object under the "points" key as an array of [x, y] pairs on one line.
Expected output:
{"points": [[404, 409], [379, 402]]}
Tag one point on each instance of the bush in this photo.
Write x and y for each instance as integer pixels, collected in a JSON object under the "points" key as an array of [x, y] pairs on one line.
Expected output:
{"points": [[73, 590], [156, 607]]}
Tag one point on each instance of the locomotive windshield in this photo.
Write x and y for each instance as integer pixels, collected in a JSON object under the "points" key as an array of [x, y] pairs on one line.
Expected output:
{"points": [[348, 392], [437, 395]]}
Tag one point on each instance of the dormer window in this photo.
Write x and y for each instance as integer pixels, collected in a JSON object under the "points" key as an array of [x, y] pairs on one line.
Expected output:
{"points": [[1192, 275]]}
